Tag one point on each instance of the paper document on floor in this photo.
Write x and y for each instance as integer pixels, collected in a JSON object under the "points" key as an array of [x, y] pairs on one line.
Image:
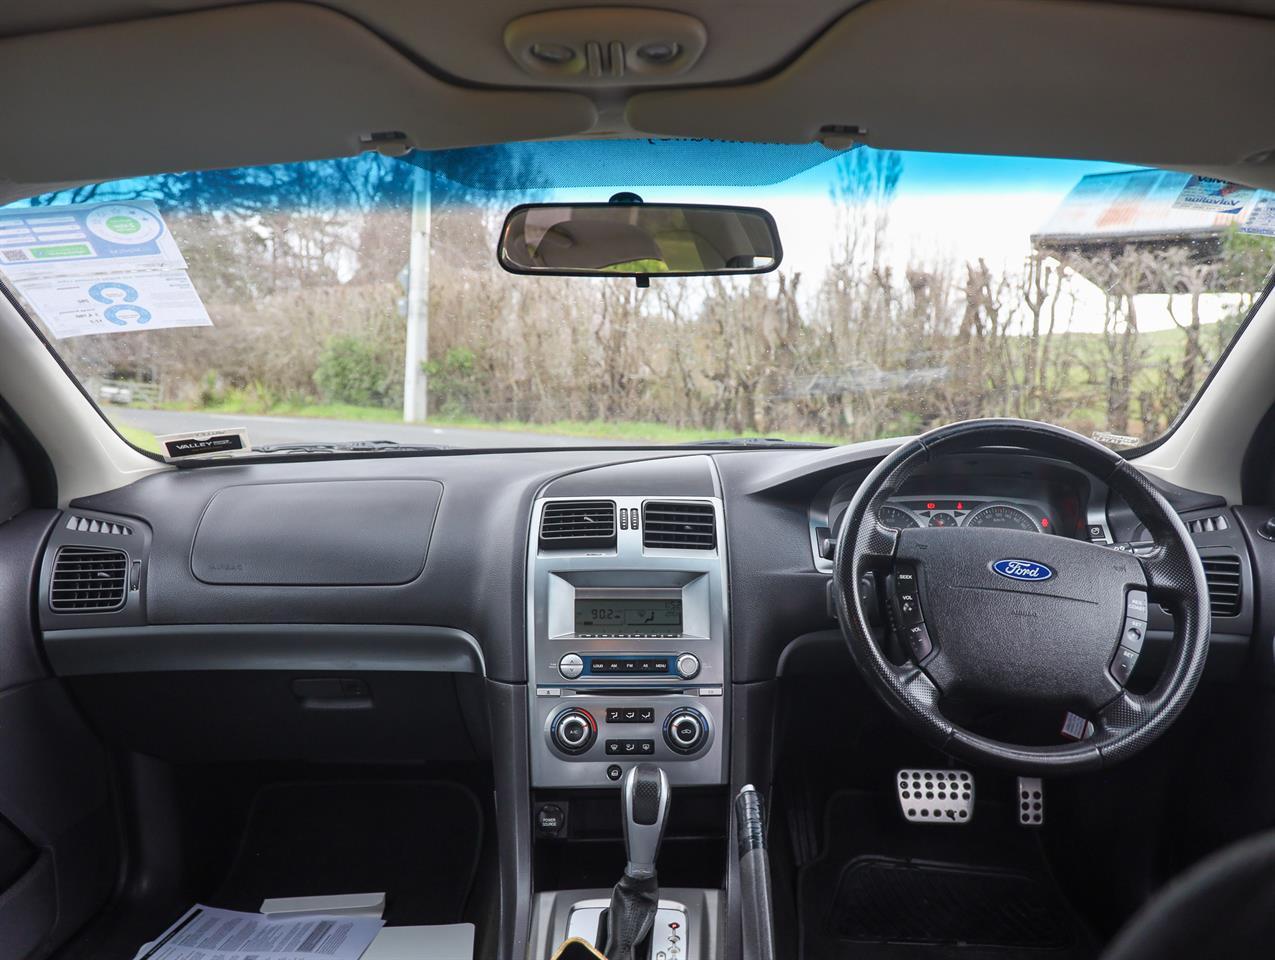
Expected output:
{"points": [[208, 933]]}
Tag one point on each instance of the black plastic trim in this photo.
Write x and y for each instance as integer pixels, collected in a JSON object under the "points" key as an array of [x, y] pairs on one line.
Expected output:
{"points": [[262, 646]]}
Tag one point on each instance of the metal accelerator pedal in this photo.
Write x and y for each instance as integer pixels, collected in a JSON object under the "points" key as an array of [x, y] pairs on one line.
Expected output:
{"points": [[936, 796]]}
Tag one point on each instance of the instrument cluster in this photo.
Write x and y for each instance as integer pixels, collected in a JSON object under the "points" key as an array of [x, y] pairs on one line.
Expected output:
{"points": [[997, 489], [936, 511]]}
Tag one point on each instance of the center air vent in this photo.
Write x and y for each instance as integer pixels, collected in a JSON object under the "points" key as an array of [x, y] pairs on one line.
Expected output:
{"points": [[1223, 576], [88, 579], [577, 525], [679, 526]]}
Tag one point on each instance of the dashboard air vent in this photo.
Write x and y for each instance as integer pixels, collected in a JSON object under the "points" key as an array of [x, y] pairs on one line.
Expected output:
{"points": [[679, 526], [1223, 576], [577, 524], [88, 579], [1207, 524], [90, 525]]}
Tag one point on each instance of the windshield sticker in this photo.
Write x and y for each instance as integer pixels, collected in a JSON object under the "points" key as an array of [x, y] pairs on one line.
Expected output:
{"points": [[1210, 193], [99, 268], [77, 306], [1261, 218], [202, 443]]}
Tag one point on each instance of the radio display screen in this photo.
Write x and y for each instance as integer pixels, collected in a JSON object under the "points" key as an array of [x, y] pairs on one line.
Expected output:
{"points": [[629, 617]]}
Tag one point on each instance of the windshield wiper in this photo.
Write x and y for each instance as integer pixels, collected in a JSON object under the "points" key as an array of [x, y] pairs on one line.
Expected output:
{"points": [[751, 442], [347, 446]]}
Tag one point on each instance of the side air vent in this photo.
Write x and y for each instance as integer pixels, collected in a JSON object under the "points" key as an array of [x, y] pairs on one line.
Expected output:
{"points": [[577, 525], [679, 526], [1207, 524], [88, 579], [91, 525], [1223, 576]]}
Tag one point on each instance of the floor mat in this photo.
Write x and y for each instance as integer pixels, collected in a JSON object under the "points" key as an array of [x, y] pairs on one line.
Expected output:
{"points": [[418, 842], [885, 888]]}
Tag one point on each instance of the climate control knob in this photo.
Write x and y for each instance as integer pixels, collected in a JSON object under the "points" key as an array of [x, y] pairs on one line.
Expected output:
{"points": [[573, 731], [685, 730], [687, 666]]}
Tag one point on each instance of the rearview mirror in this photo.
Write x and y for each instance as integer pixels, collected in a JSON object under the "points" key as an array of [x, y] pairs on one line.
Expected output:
{"points": [[639, 240]]}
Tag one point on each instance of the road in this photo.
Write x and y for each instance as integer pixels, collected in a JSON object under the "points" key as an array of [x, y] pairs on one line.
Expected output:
{"points": [[263, 430]]}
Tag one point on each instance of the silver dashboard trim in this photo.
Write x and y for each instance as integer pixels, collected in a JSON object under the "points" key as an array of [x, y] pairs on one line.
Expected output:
{"points": [[702, 578]]}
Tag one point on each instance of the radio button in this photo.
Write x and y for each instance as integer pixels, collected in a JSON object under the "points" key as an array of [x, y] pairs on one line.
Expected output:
{"points": [[571, 666], [687, 666]]}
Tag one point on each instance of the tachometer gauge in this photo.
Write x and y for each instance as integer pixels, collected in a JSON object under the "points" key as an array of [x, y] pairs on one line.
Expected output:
{"points": [[896, 519], [1003, 516]]}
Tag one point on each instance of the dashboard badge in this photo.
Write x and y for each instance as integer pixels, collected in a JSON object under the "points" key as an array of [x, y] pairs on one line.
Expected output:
{"points": [[1029, 570]]}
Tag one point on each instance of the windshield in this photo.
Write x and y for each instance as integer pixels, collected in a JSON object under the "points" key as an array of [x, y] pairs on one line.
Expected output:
{"points": [[361, 299]]}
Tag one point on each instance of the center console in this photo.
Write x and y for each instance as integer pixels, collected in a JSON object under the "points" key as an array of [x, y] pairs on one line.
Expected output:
{"points": [[627, 645]]}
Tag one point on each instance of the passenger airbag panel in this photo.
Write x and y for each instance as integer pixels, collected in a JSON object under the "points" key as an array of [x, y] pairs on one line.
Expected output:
{"points": [[323, 533]]}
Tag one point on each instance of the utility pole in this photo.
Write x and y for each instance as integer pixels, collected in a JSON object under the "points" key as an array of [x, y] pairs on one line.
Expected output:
{"points": [[415, 395]]}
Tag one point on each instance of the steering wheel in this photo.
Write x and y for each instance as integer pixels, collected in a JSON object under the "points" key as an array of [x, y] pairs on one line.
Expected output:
{"points": [[995, 617]]}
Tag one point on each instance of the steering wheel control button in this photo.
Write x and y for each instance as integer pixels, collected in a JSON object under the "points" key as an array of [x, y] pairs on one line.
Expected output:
{"points": [[1123, 663], [918, 640], [1031, 801], [571, 666], [1135, 605], [573, 731], [685, 731], [936, 796], [1133, 633], [907, 601], [687, 666]]}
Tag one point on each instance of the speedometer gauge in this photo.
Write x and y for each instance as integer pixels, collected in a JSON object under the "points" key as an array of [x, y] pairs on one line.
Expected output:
{"points": [[896, 519], [1003, 516]]}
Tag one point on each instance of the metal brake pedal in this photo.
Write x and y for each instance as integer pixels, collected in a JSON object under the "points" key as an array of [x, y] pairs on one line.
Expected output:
{"points": [[1031, 801], [936, 796]]}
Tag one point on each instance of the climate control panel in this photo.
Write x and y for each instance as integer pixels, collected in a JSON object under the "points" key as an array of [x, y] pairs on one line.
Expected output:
{"points": [[584, 736]]}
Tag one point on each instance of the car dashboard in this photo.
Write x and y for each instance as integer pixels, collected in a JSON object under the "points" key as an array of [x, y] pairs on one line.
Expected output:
{"points": [[546, 618]]}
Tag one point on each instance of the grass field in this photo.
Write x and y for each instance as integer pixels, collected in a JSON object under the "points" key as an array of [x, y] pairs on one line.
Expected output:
{"points": [[138, 438]]}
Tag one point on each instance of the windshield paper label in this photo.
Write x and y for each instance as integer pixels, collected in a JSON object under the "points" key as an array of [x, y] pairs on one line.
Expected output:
{"points": [[1261, 218], [1210, 193], [90, 268]]}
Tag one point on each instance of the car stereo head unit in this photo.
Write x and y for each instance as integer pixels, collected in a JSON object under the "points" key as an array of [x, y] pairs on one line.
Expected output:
{"points": [[628, 616]]}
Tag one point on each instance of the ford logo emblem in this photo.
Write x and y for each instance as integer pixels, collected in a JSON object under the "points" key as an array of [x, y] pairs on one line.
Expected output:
{"points": [[1022, 570]]}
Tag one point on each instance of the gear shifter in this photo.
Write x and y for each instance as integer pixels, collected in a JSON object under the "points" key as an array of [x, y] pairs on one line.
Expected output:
{"points": [[644, 801]]}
